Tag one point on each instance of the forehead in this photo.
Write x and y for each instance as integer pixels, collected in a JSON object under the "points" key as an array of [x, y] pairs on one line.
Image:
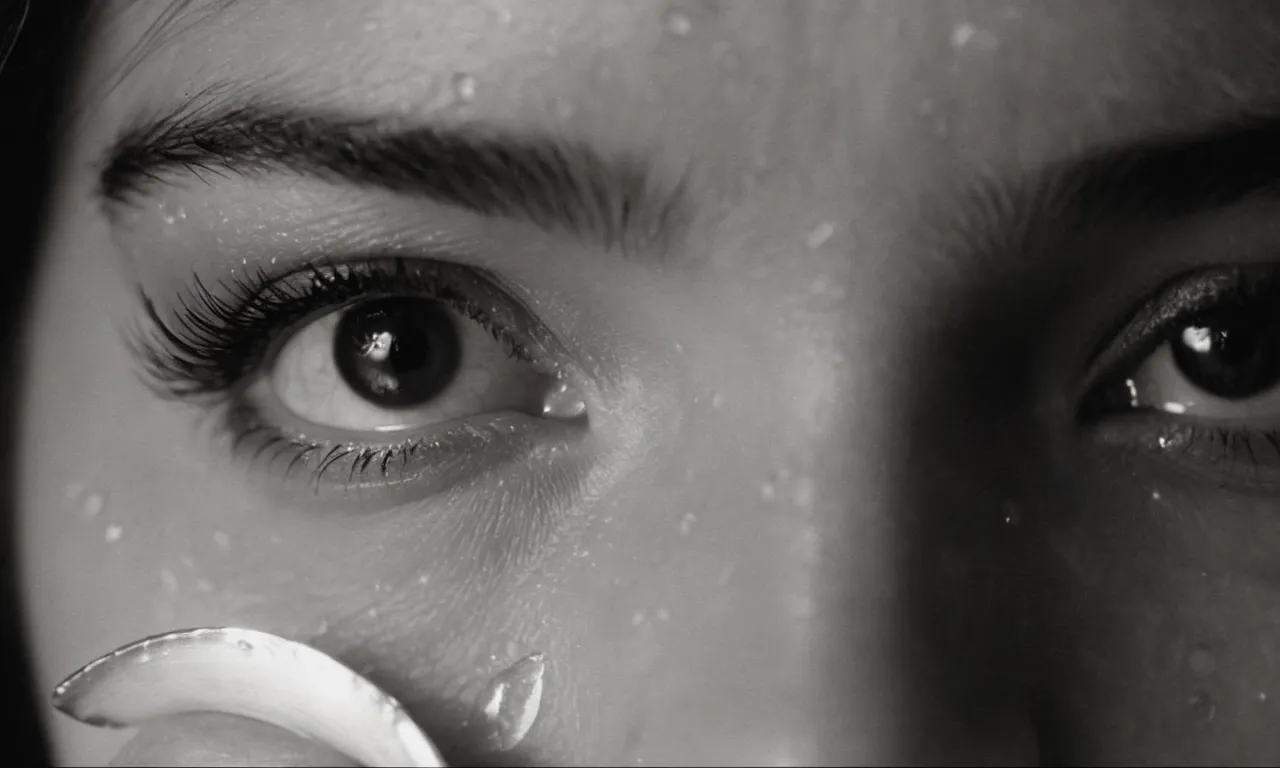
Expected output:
{"points": [[725, 78]]}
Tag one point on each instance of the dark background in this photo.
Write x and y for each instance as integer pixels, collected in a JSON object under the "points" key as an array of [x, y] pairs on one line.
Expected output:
{"points": [[32, 89]]}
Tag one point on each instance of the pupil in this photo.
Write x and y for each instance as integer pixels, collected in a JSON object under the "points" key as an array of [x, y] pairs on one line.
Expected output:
{"points": [[397, 352], [1231, 354]]}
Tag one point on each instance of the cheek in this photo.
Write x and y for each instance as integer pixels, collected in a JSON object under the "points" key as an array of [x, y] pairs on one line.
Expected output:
{"points": [[1158, 609]]}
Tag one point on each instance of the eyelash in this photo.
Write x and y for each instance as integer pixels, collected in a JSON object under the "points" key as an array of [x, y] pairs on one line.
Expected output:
{"points": [[217, 340], [1179, 303], [214, 341], [1170, 308]]}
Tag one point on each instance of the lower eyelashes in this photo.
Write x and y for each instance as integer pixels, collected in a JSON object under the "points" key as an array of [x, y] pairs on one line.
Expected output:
{"points": [[378, 374], [1238, 457]]}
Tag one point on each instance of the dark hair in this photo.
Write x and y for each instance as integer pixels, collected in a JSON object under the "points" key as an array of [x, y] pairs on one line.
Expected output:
{"points": [[33, 89]]}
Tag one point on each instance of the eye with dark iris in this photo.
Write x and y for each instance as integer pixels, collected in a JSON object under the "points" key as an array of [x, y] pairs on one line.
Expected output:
{"points": [[1233, 352], [397, 352]]}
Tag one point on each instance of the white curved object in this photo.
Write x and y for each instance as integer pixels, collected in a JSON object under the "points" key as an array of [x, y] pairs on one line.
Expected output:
{"points": [[251, 674]]}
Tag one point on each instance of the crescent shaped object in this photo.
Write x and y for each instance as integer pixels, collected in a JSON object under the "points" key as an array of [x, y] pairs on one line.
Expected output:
{"points": [[251, 674]]}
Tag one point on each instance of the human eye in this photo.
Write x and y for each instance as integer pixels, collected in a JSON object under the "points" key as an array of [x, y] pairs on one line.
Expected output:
{"points": [[371, 373], [1194, 375]]}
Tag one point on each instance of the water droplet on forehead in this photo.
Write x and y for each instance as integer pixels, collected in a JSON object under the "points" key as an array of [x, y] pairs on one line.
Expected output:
{"points": [[507, 707], [113, 533], [94, 504], [686, 523], [819, 235], [677, 22], [464, 87], [967, 35]]}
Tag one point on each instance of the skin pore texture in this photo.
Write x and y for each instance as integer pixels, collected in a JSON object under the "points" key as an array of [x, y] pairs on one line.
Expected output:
{"points": [[834, 502]]}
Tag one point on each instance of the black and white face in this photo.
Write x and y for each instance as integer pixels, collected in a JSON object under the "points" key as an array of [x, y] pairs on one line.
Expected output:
{"points": [[810, 382]]}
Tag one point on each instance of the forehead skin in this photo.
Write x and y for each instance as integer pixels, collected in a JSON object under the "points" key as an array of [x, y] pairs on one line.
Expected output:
{"points": [[781, 116]]}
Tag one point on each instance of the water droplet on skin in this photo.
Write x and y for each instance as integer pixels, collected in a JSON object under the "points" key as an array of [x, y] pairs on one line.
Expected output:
{"points": [[961, 34], [802, 496], [94, 503], [1202, 706], [113, 533], [169, 581], [204, 585], [222, 541], [244, 645], [717, 401], [686, 523], [662, 614], [563, 401], [507, 707], [1262, 696], [1155, 495], [768, 492], [966, 35], [1012, 515], [1201, 661], [820, 234], [370, 26], [677, 22], [637, 618], [464, 87], [726, 573]]}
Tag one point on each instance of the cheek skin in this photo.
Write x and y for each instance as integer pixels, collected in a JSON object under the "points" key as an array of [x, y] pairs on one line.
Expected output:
{"points": [[1161, 611]]}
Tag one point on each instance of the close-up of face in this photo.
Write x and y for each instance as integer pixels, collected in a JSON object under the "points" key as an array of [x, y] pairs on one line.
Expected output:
{"points": [[785, 383]]}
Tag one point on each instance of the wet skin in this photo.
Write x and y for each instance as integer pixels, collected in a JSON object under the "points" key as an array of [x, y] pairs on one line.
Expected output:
{"points": [[835, 501]]}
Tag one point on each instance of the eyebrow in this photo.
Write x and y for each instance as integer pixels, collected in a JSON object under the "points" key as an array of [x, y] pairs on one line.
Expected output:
{"points": [[1145, 181], [554, 184]]}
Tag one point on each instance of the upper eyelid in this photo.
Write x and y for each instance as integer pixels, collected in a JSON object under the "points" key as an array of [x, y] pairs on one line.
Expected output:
{"points": [[190, 353], [1176, 301]]}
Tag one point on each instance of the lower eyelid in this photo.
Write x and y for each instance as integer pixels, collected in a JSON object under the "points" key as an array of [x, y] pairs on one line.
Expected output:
{"points": [[1234, 456], [423, 464]]}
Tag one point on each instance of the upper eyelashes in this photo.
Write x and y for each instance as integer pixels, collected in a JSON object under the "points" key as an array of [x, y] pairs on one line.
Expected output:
{"points": [[214, 339], [1189, 308]]}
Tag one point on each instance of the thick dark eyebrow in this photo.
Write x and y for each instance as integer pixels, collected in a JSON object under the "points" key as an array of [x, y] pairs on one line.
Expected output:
{"points": [[1146, 181], [554, 184]]}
